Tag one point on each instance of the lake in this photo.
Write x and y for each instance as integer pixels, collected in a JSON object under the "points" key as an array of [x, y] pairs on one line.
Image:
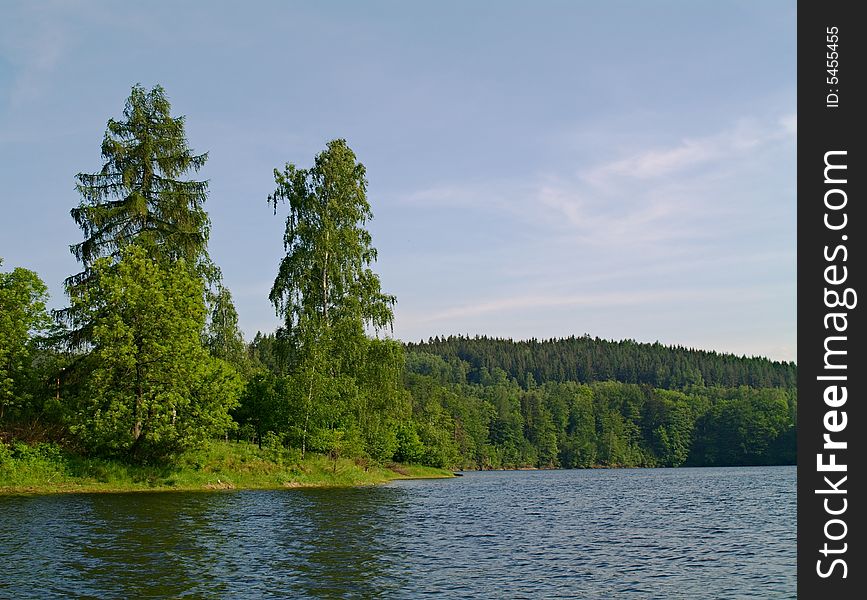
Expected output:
{"points": [[621, 533]]}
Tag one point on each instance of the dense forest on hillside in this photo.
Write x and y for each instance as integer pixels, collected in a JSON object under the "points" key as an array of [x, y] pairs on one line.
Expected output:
{"points": [[500, 423], [147, 361], [481, 417], [582, 401], [585, 359]]}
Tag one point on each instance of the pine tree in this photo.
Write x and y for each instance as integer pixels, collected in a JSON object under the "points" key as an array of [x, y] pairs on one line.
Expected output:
{"points": [[141, 195]]}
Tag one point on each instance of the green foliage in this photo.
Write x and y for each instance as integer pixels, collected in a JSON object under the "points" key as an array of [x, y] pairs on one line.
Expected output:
{"points": [[143, 385], [669, 424], [409, 447], [223, 336], [265, 353], [325, 278], [217, 465], [497, 423], [381, 441], [23, 318], [140, 197], [432, 365], [743, 427], [539, 428], [585, 359], [150, 388], [346, 384], [262, 408], [45, 459]]}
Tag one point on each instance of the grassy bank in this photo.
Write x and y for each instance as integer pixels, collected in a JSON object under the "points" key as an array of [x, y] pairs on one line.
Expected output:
{"points": [[46, 469]]}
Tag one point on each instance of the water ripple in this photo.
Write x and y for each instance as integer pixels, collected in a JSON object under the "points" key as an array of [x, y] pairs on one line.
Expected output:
{"points": [[655, 533]]}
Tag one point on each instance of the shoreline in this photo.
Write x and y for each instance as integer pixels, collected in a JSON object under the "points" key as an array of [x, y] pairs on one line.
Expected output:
{"points": [[85, 488], [219, 467], [622, 467]]}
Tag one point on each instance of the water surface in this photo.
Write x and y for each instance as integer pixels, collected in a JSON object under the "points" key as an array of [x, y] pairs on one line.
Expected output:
{"points": [[642, 533]]}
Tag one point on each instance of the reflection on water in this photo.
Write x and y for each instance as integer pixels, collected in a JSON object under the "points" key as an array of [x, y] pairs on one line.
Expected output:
{"points": [[654, 533]]}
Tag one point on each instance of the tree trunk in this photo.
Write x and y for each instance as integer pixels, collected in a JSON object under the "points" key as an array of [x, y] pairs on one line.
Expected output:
{"points": [[136, 413], [307, 413], [325, 287]]}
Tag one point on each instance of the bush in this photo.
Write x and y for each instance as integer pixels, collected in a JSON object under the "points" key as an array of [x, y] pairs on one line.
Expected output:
{"points": [[5, 455], [409, 446]]}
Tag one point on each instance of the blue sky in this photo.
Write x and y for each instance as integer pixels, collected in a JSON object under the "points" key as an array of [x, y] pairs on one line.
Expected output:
{"points": [[546, 169]]}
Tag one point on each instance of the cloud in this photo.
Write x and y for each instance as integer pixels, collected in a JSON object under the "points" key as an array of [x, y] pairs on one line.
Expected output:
{"points": [[700, 222], [659, 162], [646, 197], [688, 193], [587, 300], [592, 216]]}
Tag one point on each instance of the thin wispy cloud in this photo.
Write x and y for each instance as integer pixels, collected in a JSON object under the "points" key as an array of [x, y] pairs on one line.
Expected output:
{"points": [[660, 226], [587, 300], [631, 200], [652, 163]]}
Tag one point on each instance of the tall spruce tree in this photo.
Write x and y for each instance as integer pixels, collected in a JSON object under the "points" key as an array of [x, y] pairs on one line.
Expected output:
{"points": [[146, 386], [141, 195]]}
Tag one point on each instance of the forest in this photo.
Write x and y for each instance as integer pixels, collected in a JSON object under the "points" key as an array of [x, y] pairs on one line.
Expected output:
{"points": [[147, 361]]}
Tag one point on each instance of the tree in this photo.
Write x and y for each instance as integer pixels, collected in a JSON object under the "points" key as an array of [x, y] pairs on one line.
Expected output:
{"points": [[266, 353], [325, 289], [151, 388], [540, 430], [325, 276], [22, 317], [262, 407], [223, 336], [140, 195], [669, 420]]}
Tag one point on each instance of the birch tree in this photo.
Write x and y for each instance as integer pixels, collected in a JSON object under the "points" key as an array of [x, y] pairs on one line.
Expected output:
{"points": [[325, 289]]}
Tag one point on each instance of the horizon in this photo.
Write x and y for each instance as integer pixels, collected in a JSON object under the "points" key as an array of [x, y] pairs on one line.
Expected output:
{"points": [[613, 341]]}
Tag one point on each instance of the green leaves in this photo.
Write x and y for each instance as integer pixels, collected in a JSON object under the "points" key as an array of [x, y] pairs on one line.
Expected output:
{"points": [[327, 294], [145, 155], [139, 196], [151, 389], [325, 277], [147, 387], [223, 336], [23, 318]]}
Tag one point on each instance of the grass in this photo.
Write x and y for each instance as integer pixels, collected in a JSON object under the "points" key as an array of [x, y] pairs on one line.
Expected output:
{"points": [[46, 468]]}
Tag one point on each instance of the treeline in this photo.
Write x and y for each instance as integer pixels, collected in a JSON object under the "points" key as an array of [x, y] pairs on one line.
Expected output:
{"points": [[485, 419], [498, 423], [147, 360], [585, 359], [582, 401]]}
